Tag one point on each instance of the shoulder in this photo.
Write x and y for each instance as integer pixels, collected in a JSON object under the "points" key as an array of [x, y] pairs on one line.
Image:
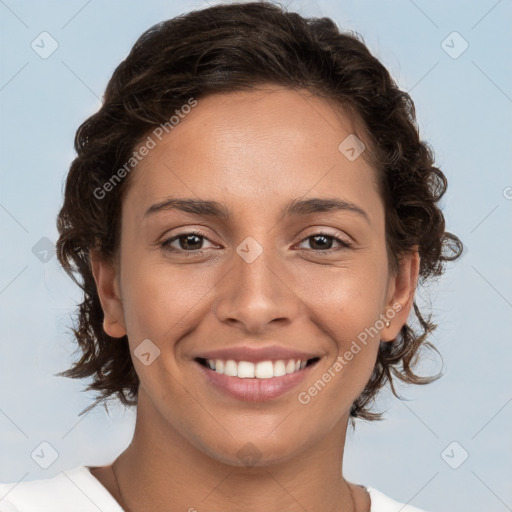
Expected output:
{"points": [[383, 503], [76, 489]]}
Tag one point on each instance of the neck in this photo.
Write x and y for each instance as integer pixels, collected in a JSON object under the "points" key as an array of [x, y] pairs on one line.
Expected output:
{"points": [[161, 467]]}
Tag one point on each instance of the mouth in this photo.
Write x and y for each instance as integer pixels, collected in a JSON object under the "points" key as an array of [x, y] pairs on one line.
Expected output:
{"points": [[262, 370], [255, 381]]}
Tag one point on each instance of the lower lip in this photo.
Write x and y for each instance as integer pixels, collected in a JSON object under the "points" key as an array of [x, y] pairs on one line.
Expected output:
{"points": [[255, 390]]}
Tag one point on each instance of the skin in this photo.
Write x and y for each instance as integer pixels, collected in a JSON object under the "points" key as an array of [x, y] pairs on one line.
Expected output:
{"points": [[254, 152]]}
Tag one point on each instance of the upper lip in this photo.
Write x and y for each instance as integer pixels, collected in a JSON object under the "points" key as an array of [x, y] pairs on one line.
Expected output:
{"points": [[255, 355]]}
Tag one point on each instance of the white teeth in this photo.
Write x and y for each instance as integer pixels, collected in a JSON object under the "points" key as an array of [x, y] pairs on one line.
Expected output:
{"points": [[261, 370], [279, 368], [264, 370], [245, 370], [231, 368], [218, 366]]}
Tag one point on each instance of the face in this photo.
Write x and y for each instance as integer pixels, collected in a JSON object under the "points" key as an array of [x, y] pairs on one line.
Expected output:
{"points": [[278, 255]]}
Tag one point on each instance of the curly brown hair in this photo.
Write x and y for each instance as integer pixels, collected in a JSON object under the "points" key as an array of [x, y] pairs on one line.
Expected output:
{"points": [[229, 48]]}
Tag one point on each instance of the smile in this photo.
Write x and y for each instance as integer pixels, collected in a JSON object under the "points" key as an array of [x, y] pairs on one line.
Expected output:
{"points": [[261, 370], [255, 381]]}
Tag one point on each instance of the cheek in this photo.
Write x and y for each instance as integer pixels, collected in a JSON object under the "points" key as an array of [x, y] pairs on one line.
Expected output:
{"points": [[163, 303], [347, 313], [349, 299], [158, 298], [347, 305]]}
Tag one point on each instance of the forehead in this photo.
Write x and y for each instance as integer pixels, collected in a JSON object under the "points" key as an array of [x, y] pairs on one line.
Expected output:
{"points": [[255, 146]]}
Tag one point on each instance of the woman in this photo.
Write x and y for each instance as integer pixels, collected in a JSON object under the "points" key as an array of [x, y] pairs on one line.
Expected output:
{"points": [[248, 216]]}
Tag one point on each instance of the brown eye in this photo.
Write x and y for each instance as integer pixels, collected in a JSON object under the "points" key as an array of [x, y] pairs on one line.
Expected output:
{"points": [[323, 242], [189, 242]]}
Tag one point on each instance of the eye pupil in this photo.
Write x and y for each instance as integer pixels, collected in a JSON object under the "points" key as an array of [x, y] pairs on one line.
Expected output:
{"points": [[187, 239], [327, 241]]}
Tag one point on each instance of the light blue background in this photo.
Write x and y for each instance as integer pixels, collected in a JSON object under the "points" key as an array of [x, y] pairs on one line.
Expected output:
{"points": [[464, 107]]}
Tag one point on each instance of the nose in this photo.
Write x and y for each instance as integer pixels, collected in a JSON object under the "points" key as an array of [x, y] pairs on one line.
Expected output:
{"points": [[257, 294]]}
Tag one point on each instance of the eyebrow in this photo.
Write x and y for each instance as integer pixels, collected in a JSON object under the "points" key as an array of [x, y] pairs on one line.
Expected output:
{"points": [[295, 207]]}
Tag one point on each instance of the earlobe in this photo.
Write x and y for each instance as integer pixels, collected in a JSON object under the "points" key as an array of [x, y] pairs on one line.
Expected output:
{"points": [[401, 296], [105, 276]]}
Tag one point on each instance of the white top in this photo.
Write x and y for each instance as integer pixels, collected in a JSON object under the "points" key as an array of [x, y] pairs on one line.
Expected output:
{"points": [[78, 490]]}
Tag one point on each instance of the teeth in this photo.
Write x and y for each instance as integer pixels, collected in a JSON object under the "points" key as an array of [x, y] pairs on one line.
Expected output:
{"points": [[290, 366], [218, 365], [230, 368], [264, 370], [261, 370], [245, 370], [279, 369]]}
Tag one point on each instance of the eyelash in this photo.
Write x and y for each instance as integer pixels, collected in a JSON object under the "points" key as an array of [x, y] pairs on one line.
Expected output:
{"points": [[165, 245]]}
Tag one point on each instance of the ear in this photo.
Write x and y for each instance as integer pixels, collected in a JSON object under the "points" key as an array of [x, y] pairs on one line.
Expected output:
{"points": [[401, 289], [106, 278]]}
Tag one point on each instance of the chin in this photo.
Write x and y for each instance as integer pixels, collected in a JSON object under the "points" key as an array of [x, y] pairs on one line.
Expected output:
{"points": [[252, 452]]}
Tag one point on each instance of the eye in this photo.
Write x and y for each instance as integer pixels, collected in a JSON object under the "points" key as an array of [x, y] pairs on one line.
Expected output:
{"points": [[189, 242], [323, 242]]}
